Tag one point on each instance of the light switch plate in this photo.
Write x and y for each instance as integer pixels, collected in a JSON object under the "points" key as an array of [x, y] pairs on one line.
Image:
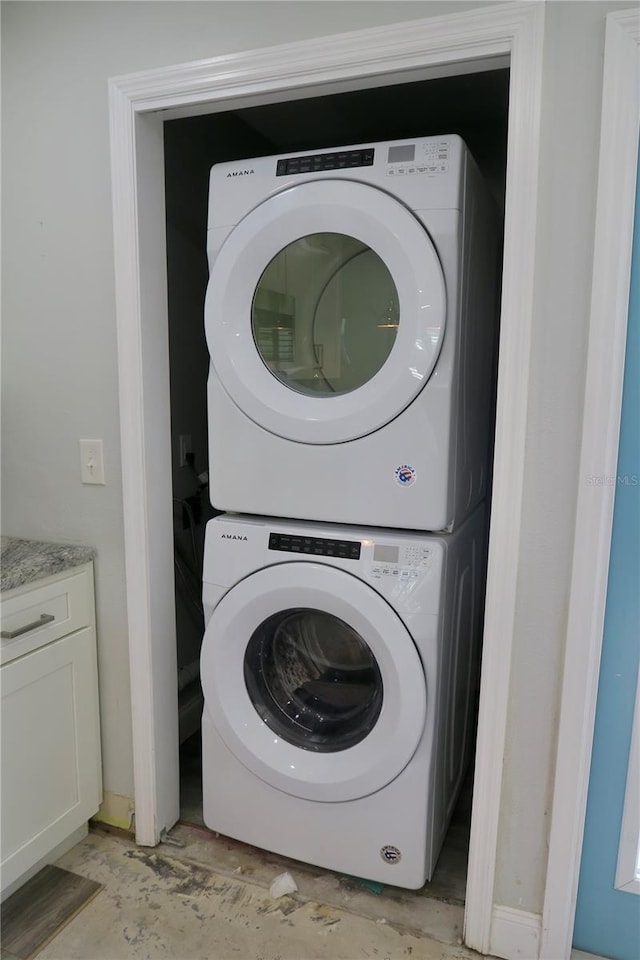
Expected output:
{"points": [[91, 461]]}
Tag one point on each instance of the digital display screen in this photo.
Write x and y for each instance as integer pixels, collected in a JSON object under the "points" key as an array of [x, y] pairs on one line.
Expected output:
{"points": [[401, 154], [385, 553]]}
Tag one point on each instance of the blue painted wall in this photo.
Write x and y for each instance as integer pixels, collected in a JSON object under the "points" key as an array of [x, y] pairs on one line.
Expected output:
{"points": [[607, 920]]}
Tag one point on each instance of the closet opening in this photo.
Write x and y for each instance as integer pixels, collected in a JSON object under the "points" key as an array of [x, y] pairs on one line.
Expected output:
{"points": [[472, 105]]}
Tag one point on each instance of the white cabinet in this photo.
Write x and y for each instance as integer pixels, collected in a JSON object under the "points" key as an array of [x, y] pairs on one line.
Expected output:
{"points": [[51, 781]]}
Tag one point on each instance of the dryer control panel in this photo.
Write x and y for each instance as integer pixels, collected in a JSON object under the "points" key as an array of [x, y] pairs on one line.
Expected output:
{"points": [[427, 156], [336, 160]]}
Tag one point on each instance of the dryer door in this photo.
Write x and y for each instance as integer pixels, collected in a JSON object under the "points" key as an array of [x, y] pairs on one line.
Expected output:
{"points": [[313, 682], [325, 311]]}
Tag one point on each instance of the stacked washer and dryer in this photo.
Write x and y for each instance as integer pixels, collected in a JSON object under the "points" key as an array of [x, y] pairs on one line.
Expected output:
{"points": [[351, 322]]}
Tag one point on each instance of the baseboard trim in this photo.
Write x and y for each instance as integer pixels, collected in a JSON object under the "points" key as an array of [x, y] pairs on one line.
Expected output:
{"points": [[581, 955], [515, 934]]}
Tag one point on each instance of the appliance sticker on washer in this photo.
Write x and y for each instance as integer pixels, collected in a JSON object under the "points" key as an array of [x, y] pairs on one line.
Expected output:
{"points": [[390, 854], [405, 475]]}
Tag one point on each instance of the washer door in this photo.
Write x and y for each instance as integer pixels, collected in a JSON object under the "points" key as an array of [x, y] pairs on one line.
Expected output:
{"points": [[313, 682], [325, 311]]}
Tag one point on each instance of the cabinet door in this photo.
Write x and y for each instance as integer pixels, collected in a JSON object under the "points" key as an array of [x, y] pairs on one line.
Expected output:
{"points": [[51, 777]]}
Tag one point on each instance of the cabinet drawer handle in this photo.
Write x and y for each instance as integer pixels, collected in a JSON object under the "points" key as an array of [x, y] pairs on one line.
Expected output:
{"points": [[12, 634]]}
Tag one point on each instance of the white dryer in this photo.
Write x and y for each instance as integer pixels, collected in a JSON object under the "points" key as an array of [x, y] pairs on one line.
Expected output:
{"points": [[338, 668], [350, 318]]}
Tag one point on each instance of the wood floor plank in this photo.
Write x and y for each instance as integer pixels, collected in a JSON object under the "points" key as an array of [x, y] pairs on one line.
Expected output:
{"points": [[38, 911]]}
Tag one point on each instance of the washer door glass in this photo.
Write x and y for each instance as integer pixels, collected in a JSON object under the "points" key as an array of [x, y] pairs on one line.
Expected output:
{"points": [[313, 680], [325, 314]]}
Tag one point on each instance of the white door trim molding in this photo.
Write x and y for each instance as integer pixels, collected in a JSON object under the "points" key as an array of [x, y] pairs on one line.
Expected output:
{"points": [[512, 31], [515, 933], [598, 464]]}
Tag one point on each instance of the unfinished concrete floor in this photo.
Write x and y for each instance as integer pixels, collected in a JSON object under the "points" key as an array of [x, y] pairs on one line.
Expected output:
{"points": [[210, 900], [203, 896]]}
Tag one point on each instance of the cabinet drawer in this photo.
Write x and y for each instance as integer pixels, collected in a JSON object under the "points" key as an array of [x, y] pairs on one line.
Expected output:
{"points": [[40, 613]]}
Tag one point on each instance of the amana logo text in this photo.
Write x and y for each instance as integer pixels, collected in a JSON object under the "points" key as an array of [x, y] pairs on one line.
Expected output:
{"points": [[240, 173], [231, 536]]}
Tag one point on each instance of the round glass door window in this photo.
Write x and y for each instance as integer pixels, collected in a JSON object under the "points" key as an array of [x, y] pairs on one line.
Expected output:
{"points": [[313, 680], [325, 314]]}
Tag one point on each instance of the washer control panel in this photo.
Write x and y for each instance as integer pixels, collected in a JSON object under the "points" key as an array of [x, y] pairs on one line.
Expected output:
{"points": [[405, 562], [316, 546], [409, 159]]}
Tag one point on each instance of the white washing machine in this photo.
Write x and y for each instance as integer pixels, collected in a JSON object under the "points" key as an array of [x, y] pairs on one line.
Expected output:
{"points": [[351, 317], [338, 668]]}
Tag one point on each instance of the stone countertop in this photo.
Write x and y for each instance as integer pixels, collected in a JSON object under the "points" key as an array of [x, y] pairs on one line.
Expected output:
{"points": [[24, 561]]}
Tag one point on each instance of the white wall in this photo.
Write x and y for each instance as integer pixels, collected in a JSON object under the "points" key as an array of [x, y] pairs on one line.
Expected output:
{"points": [[60, 377]]}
